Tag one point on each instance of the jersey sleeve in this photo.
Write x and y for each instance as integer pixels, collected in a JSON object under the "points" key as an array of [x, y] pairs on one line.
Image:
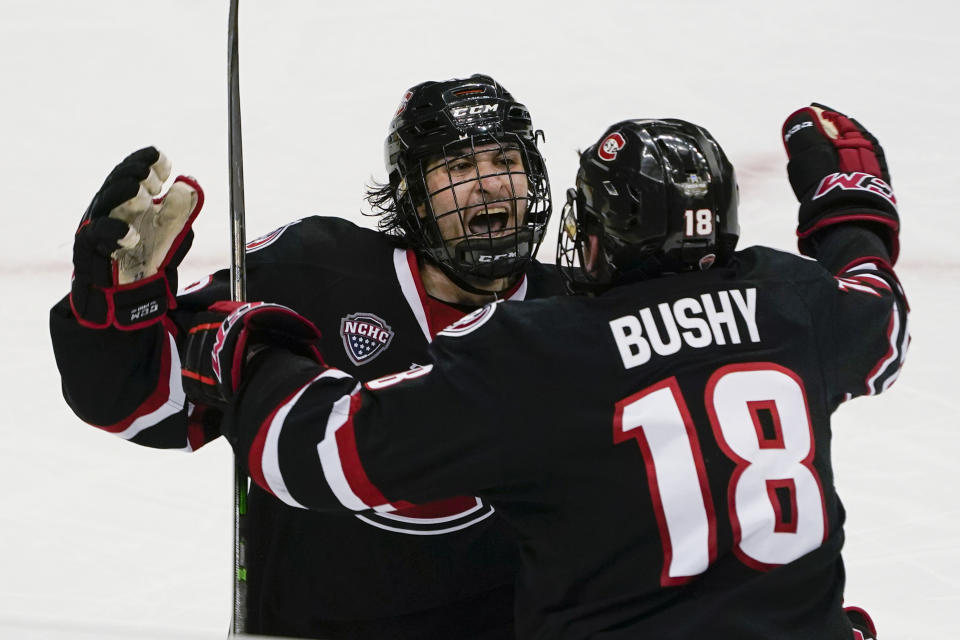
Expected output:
{"points": [[866, 320], [316, 438], [128, 383]]}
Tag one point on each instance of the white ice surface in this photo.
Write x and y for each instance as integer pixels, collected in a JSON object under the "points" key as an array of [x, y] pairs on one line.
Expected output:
{"points": [[113, 540]]}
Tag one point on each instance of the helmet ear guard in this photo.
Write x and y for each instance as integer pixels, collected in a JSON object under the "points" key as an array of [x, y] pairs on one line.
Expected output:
{"points": [[456, 119], [663, 197]]}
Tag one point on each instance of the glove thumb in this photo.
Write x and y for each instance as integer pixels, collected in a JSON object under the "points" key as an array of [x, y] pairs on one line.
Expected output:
{"points": [[96, 240]]}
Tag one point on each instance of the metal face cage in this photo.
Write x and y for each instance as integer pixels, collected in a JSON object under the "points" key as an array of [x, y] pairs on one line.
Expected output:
{"points": [[481, 204]]}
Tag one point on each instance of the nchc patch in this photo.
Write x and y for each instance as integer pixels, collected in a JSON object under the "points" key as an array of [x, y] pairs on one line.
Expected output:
{"points": [[365, 336]]}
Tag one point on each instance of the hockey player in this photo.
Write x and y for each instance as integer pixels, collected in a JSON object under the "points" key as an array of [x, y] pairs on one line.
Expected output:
{"points": [[661, 447], [464, 211]]}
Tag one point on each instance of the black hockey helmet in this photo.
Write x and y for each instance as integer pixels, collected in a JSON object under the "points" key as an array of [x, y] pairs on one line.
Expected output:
{"points": [[440, 123], [660, 195]]}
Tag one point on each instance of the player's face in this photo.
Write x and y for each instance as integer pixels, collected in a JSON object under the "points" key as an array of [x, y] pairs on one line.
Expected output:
{"points": [[478, 194]]}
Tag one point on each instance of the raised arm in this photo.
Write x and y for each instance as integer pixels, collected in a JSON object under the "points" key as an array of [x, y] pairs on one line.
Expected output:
{"points": [[113, 336], [849, 222]]}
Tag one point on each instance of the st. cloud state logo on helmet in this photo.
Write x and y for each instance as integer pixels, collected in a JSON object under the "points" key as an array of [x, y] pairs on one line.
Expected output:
{"points": [[608, 149], [403, 102]]}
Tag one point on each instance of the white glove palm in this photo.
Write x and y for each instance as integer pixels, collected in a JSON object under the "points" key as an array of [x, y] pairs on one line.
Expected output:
{"points": [[155, 223]]}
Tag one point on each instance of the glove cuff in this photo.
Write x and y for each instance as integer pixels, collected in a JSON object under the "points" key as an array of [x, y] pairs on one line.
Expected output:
{"points": [[125, 307], [220, 345], [850, 197], [880, 222]]}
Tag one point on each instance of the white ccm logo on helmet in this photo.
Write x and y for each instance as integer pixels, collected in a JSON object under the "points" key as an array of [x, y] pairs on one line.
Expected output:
{"points": [[459, 112], [610, 146]]}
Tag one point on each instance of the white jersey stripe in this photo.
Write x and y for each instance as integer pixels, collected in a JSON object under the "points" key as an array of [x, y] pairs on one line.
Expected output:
{"points": [[894, 356], [521, 292], [330, 456], [880, 282], [270, 458], [904, 345], [426, 532], [408, 285], [847, 283], [423, 520], [174, 403]]}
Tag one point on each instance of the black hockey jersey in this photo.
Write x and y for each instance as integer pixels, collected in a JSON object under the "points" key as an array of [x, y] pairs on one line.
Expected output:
{"points": [[662, 450], [443, 569]]}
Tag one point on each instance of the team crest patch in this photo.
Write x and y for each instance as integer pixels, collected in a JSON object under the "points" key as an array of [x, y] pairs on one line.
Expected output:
{"points": [[365, 336]]}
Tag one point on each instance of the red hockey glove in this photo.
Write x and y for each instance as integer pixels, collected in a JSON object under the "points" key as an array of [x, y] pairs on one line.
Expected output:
{"points": [[839, 173], [224, 339], [129, 243]]}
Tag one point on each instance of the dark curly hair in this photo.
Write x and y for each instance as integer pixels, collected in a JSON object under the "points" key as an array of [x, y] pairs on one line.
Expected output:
{"points": [[382, 198], [396, 209]]}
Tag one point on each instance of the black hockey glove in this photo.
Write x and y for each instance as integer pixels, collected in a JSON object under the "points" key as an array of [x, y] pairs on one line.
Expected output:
{"points": [[862, 623], [228, 335], [129, 243], [839, 173]]}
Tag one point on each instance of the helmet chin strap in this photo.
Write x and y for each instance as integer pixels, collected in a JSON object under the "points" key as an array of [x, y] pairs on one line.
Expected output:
{"points": [[488, 258], [499, 258], [465, 284]]}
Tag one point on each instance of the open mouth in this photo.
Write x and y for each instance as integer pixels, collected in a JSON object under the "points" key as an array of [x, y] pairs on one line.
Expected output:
{"points": [[493, 220]]}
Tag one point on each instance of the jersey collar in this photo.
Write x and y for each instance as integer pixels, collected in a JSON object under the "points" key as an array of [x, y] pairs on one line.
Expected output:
{"points": [[431, 314]]}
